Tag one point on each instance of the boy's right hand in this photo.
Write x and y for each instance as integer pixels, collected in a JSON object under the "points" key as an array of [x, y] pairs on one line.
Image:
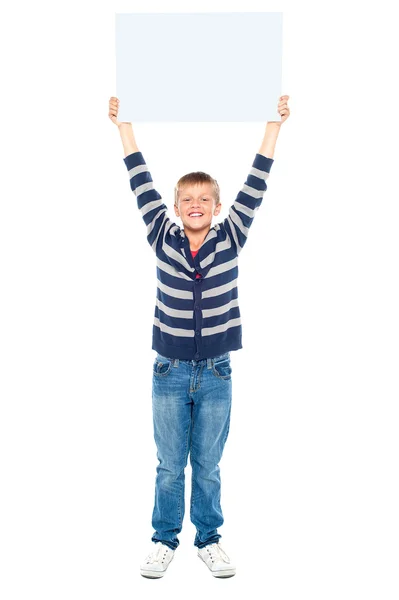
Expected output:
{"points": [[113, 110]]}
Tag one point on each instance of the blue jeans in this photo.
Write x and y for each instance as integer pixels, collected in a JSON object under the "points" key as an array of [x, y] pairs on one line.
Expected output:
{"points": [[191, 403]]}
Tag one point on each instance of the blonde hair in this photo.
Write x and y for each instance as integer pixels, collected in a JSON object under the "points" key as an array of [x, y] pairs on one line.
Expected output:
{"points": [[197, 177]]}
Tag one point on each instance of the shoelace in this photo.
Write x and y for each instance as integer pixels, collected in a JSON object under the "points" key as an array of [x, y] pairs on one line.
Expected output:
{"points": [[155, 556], [216, 551]]}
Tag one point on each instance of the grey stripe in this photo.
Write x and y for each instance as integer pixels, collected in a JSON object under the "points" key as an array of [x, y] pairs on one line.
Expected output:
{"points": [[244, 209], [151, 225], [227, 266], [220, 246], [236, 219], [176, 331], [258, 173], [136, 170], [221, 289], [150, 206], [174, 312], [219, 310], [174, 293], [233, 232], [247, 189], [171, 270], [174, 229], [220, 328], [144, 187], [166, 229], [210, 235], [177, 256]]}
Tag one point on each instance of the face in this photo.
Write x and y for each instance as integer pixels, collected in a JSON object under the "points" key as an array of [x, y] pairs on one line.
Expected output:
{"points": [[197, 199]]}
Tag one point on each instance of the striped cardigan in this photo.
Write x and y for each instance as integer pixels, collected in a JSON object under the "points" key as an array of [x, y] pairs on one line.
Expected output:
{"points": [[197, 318]]}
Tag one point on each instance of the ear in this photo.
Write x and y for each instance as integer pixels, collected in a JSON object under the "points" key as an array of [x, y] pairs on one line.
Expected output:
{"points": [[217, 209], [176, 211]]}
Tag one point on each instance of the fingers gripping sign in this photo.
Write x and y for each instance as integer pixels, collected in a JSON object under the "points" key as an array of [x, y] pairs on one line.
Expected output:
{"points": [[283, 108]]}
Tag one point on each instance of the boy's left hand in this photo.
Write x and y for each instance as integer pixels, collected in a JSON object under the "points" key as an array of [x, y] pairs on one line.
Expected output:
{"points": [[283, 110]]}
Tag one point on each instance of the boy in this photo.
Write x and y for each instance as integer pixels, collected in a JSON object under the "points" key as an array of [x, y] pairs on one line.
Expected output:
{"points": [[196, 325]]}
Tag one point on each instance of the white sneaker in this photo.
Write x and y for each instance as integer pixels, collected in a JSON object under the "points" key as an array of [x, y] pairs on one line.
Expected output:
{"points": [[217, 561], [157, 561]]}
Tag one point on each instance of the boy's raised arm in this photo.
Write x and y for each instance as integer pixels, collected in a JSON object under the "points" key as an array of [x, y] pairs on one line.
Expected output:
{"points": [[125, 129], [270, 138], [249, 198], [273, 129], [149, 201], [128, 140]]}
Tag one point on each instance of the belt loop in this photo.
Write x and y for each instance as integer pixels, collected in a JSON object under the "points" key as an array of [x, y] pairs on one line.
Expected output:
{"points": [[209, 361], [176, 362]]}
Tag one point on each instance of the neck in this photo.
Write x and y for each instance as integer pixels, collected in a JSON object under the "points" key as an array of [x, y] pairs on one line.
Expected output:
{"points": [[196, 238]]}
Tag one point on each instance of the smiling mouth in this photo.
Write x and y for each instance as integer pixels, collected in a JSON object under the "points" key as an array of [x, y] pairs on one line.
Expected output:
{"points": [[196, 215]]}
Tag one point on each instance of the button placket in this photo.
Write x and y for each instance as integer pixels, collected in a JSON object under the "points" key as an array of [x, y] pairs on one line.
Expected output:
{"points": [[197, 316]]}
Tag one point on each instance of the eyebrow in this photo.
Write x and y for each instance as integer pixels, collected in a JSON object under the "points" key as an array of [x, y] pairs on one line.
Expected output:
{"points": [[201, 195]]}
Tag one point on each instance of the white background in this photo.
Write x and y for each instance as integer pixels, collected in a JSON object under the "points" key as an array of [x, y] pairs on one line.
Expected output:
{"points": [[310, 470]]}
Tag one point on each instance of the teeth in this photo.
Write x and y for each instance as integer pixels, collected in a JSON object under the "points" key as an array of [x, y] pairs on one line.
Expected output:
{"points": [[195, 214]]}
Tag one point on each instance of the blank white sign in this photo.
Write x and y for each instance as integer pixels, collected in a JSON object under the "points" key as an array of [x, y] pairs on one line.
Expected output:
{"points": [[198, 66]]}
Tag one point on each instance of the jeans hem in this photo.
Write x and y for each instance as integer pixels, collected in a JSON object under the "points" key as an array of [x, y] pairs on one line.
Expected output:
{"points": [[167, 543], [214, 540]]}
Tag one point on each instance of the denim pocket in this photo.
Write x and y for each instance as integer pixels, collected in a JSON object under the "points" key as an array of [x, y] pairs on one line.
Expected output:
{"points": [[221, 367], [162, 367]]}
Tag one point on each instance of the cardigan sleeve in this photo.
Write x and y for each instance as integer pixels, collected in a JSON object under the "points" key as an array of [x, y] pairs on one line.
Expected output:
{"points": [[247, 203], [149, 201]]}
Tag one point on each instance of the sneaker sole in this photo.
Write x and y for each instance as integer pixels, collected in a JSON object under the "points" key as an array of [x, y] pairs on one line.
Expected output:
{"points": [[152, 574]]}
